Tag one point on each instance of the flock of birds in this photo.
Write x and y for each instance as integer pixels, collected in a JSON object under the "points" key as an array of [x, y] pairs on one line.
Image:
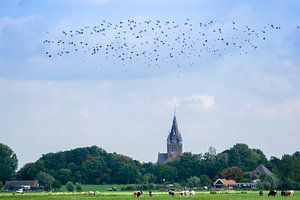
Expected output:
{"points": [[158, 43]]}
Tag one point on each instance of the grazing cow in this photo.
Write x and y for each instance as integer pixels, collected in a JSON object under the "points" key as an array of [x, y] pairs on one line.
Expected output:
{"points": [[171, 193], [192, 193], [184, 193], [137, 194], [92, 193], [261, 193], [287, 193], [272, 193]]}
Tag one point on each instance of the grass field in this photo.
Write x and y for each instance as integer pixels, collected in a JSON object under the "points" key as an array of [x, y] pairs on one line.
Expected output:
{"points": [[238, 195]]}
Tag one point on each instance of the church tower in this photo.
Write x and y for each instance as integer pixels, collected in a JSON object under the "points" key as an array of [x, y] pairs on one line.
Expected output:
{"points": [[174, 144], [174, 141]]}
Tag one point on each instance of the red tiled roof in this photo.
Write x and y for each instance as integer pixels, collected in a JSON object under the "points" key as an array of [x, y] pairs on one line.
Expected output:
{"points": [[227, 182]]}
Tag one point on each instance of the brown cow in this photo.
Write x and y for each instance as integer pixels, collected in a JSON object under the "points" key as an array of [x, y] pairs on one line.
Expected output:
{"points": [[287, 193], [137, 194]]}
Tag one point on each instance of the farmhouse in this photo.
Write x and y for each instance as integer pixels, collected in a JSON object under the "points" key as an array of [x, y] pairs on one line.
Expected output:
{"points": [[26, 185], [259, 171], [224, 183]]}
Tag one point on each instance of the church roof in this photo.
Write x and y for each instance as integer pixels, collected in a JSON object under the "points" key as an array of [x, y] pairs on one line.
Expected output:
{"points": [[174, 136], [162, 157]]}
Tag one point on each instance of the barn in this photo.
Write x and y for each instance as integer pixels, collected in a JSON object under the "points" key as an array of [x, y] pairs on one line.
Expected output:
{"points": [[224, 184], [26, 185], [260, 171]]}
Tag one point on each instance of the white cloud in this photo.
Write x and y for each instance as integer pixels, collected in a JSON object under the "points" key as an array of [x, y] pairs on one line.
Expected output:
{"points": [[201, 102], [194, 102]]}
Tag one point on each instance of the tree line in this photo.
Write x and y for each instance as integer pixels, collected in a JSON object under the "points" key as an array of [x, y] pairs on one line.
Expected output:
{"points": [[93, 165]]}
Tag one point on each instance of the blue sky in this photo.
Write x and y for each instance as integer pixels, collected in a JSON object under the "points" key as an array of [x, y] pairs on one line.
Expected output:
{"points": [[62, 103]]}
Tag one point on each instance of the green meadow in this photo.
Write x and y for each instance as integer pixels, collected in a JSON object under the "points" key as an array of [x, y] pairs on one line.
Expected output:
{"points": [[233, 195]]}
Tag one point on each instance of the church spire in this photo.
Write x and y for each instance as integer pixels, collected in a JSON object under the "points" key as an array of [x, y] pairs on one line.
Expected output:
{"points": [[174, 136], [174, 110], [174, 141]]}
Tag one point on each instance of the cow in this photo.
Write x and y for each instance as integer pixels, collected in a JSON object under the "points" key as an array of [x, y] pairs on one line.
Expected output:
{"points": [[261, 193], [184, 193], [192, 193], [150, 193], [137, 194], [171, 193], [92, 193], [272, 193], [287, 193]]}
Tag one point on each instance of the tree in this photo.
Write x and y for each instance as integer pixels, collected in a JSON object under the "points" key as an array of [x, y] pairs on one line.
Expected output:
{"points": [[70, 186], [234, 173], [212, 152], [64, 175], [148, 178], [127, 174], [8, 163], [205, 180], [45, 180], [187, 165], [165, 172], [78, 187], [26, 172], [269, 181], [247, 159], [56, 185], [193, 182], [95, 170]]}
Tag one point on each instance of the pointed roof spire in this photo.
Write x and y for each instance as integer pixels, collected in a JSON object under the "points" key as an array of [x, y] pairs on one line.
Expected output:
{"points": [[174, 136], [174, 110]]}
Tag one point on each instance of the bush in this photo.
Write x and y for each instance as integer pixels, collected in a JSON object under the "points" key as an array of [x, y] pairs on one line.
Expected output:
{"points": [[78, 187], [70, 186], [56, 185], [128, 188]]}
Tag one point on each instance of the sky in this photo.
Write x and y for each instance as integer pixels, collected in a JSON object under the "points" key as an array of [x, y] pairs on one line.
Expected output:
{"points": [[61, 103]]}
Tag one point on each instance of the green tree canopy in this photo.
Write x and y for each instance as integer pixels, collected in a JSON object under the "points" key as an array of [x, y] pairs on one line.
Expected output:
{"points": [[247, 159], [233, 173], [8, 163], [193, 182], [45, 180], [127, 174], [187, 165], [70, 186]]}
